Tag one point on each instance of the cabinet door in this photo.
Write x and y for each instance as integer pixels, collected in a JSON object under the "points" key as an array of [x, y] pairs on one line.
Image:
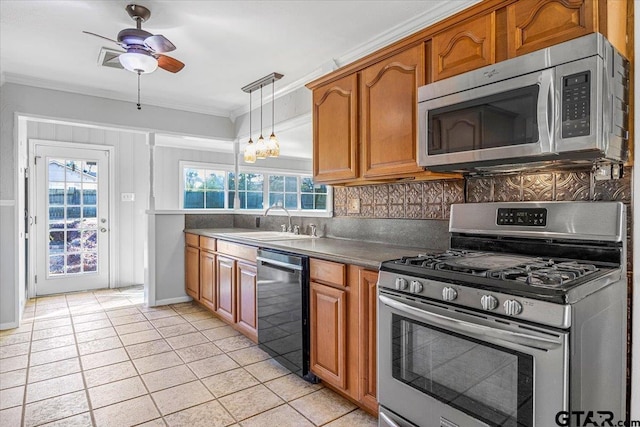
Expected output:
{"points": [[207, 279], [389, 91], [192, 271], [536, 24], [246, 275], [464, 47], [368, 337], [225, 288], [335, 131], [328, 334]]}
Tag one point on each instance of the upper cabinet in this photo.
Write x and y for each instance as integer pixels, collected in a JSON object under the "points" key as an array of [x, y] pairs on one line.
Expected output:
{"points": [[364, 114], [536, 24], [388, 113], [464, 47], [335, 131]]}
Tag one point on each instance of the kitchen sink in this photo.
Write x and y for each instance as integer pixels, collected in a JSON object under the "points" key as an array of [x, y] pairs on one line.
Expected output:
{"points": [[266, 236]]}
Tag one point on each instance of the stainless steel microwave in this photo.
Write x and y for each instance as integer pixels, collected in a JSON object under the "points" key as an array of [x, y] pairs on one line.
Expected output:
{"points": [[568, 102]]}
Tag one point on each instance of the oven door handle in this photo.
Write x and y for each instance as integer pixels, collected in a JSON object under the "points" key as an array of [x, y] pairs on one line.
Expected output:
{"points": [[473, 329]]}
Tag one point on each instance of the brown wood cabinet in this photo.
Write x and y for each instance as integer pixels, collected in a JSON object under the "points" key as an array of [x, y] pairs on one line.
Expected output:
{"points": [[364, 113], [247, 296], [368, 360], [225, 288], [536, 24], [222, 276], [343, 305], [328, 312], [335, 125], [208, 279], [464, 47], [192, 271], [388, 114]]}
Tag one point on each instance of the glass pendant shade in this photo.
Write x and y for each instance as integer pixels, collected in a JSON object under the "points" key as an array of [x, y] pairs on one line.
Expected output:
{"points": [[139, 61], [273, 146], [261, 148], [250, 152]]}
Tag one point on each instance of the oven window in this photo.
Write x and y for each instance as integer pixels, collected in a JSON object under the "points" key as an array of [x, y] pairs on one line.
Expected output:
{"points": [[504, 119], [490, 383]]}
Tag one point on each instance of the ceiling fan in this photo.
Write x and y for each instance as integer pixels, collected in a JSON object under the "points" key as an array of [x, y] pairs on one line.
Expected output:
{"points": [[144, 51]]}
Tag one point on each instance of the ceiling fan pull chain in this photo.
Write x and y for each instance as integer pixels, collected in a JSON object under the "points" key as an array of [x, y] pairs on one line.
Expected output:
{"points": [[139, 107]]}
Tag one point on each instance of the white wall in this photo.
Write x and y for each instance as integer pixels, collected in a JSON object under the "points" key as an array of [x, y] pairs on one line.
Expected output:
{"points": [[131, 161]]}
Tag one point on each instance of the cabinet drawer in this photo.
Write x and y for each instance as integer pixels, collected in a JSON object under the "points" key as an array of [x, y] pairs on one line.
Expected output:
{"points": [[238, 251], [191, 239], [207, 243], [328, 272]]}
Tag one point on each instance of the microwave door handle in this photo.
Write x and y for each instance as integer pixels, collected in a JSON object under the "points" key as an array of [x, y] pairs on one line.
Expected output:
{"points": [[474, 330], [551, 111]]}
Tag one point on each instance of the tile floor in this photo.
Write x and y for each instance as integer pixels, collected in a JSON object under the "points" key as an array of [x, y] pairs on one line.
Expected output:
{"points": [[105, 359]]}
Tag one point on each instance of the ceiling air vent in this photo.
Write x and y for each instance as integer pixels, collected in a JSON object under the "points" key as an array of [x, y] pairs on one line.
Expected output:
{"points": [[109, 58]]}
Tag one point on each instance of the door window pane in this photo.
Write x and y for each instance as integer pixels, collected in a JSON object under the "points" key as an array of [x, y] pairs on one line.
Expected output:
{"points": [[72, 221]]}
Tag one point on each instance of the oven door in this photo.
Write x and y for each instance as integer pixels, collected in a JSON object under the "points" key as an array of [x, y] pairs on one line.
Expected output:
{"points": [[445, 366], [510, 119]]}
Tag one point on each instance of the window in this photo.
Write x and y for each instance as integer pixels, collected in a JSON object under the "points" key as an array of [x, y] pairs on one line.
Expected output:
{"points": [[204, 188], [214, 187]]}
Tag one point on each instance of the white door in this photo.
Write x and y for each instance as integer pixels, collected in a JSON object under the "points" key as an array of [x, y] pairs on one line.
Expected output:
{"points": [[72, 219]]}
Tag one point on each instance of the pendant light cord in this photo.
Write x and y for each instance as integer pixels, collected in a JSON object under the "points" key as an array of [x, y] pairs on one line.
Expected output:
{"points": [[139, 107], [260, 110], [250, 110], [273, 106]]}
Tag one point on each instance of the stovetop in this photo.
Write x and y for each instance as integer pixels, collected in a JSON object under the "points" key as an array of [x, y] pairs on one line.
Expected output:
{"points": [[534, 271]]}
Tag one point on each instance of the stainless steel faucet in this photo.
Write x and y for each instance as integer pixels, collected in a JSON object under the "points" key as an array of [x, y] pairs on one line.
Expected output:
{"points": [[289, 228]]}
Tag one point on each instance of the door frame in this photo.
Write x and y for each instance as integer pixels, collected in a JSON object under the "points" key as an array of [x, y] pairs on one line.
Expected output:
{"points": [[32, 203]]}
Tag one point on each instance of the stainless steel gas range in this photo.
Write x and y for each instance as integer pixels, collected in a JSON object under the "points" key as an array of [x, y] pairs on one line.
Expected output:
{"points": [[521, 323]]}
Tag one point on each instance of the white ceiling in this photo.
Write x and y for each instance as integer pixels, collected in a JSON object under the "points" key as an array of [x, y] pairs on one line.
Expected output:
{"points": [[224, 44]]}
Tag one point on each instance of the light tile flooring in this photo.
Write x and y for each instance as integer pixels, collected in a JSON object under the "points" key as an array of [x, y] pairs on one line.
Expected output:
{"points": [[104, 359]]}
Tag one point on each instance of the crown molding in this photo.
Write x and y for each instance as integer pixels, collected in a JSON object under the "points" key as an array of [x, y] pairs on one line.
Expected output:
{"points": [[101, 93]]}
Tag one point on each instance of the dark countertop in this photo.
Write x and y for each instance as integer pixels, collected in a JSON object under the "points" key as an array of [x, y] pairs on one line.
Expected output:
{"points": [[362, 253]]}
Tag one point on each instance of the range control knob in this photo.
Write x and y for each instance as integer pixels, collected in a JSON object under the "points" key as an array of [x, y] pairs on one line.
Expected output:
{"points": [[401, 284], [489, 302], [512, 307], [449, 294], [415, 287]]}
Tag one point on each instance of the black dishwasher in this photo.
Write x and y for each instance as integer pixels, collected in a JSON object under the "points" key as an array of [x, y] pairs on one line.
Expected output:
{"points": [[283, 309]]}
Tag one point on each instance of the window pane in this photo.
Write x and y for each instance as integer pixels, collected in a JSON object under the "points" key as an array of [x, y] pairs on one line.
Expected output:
{"points": [[243, 200], [56, 242], [74, 170], [89, 194], [230, 199], [56, 171], [90, 261], [254, 181], [306, 185], [215, 180], [254, 200], [231, 180], [56, 193], [321, 189], [291, 184], [193, 199], [276, 183], [214, 199], [73, 263], [321, 201], [291, 201], [56, 264], [73, 241], [90, 171], [275, 199], [306, 200], [193, 179], [73, 194]]}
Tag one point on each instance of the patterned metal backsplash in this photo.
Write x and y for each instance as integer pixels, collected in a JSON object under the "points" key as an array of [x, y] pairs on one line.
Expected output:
{"points": [[433, 199]]}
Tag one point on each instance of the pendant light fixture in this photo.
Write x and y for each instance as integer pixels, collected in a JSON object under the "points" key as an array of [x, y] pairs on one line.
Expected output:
{"points": [[260, 149], [250, 149], [273, 146]]}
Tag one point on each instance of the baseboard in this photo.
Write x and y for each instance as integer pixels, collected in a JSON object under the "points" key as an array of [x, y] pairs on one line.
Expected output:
{"points": [[8, 325], [173, 300]]}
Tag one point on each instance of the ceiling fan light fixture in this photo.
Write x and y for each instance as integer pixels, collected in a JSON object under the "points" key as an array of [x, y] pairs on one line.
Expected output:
{"points": [[138, 60]]}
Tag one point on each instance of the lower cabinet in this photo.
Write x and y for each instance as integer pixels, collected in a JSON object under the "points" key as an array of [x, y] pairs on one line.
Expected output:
{"points": [[343, 304], [328, 334], [247, 295], [208, 279], [225, 287], [222, 276]]}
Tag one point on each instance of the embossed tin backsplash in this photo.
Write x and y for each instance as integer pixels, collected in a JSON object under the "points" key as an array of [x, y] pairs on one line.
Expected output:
{"points": [[433, 199]]}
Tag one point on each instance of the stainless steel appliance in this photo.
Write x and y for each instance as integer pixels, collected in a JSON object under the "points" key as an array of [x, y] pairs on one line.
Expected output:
{"points": [[568, 101], [283, 309], [523, 320]]}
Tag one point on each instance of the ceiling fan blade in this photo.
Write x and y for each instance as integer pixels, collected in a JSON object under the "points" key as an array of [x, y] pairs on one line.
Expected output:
{"points": [[169, 64], [102, 37], [159, 43]]}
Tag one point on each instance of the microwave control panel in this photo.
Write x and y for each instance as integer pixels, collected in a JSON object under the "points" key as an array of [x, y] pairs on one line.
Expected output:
{"points": [[576, 104], [528, 217]]}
